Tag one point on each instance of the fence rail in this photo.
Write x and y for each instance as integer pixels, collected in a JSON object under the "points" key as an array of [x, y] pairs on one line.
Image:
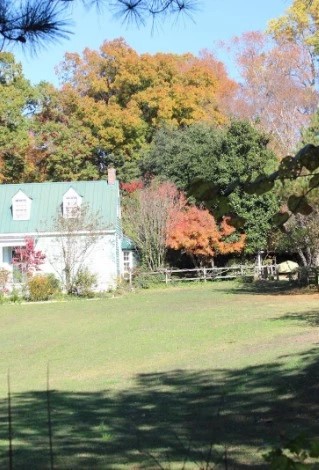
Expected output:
{"points": [[207, 274], [203, 274], [211, 274]]}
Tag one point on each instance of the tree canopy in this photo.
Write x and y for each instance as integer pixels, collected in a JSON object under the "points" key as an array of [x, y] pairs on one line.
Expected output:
{"points": [[147, 217], [276, 92], [218, 156], [299, 25], [17, 101], [195, 232], [115, 99], [111, 104]]}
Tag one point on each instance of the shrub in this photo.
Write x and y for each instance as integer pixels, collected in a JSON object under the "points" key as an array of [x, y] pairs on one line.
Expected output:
{"points": [[4, 277], [84, 283], [42, 287], [15, 296], [145, 280], [3, 296]]}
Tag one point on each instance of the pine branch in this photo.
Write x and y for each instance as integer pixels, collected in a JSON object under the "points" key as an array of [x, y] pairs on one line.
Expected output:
{"points": [[38, 22], [34, 22]]}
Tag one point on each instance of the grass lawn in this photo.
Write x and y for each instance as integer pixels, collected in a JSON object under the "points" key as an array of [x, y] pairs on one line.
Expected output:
{"points": [[160, 375]]}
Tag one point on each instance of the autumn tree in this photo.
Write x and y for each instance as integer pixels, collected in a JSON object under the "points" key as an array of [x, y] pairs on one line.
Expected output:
{"points": [[111, 104], [300, 26], [218, 156], [121, 97], [195, 232], [276, 91], [27, 259], [147, 215], [132, 186]]}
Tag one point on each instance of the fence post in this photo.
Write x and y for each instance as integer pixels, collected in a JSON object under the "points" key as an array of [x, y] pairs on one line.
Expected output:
{"points": [[205, 274], [166, 277]]}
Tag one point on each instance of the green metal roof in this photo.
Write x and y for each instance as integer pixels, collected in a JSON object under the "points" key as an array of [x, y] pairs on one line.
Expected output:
{"points": [[128, 244], [101, 198]]}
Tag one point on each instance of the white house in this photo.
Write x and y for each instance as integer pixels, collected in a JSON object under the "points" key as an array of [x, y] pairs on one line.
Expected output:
{"points": [[31, 210]]}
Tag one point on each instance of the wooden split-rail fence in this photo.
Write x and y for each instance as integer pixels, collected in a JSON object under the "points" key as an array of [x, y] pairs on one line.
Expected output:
{"points": [[214, 273]]}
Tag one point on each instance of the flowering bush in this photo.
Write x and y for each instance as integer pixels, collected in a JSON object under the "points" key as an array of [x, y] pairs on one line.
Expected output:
{"points": [[26, 258]]}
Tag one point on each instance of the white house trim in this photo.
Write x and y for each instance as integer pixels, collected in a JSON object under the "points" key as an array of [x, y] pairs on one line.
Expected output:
{"points": [[71, 204], [21, 206]]}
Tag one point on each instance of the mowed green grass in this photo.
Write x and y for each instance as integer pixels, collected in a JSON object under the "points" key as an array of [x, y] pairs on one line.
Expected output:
{"points": [[160, 375]]}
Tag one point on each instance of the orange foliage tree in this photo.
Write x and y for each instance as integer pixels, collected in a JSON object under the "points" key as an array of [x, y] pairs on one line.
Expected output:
{"points": [[195, 232], [122, 97], [147, 215]]}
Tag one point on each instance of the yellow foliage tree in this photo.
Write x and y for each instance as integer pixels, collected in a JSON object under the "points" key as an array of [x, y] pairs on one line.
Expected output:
{"points": [[300, 25], [123, 97]]}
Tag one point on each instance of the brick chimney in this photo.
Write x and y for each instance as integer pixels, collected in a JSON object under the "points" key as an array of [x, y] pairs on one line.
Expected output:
{"points": [[111, 175]]}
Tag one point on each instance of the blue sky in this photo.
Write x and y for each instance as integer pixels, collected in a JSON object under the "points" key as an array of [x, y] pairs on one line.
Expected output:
{"points": [[216, 20]]}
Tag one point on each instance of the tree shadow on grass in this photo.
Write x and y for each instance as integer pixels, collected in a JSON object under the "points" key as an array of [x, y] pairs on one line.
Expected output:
{"points": [[269, 287], [167, 417], [310, 317]]}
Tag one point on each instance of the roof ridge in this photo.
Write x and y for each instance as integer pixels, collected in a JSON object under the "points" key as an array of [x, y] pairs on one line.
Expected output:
{"points": [[54, 182], [47, 198]]}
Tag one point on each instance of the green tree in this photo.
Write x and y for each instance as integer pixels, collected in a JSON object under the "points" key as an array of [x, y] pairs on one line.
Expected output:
{"points": [[310, 134], [62, 148], [17, 103], [181, 155], [40, 137], [299, 180], [300, 234], [218, 157]]}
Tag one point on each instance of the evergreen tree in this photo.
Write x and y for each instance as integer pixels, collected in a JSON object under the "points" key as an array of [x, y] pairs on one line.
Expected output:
{"points": [[218, 156]]}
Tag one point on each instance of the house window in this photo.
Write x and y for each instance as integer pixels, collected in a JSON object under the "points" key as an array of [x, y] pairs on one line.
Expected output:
{"points": [[8, 253], [21, 206], [16, 269], [127, 261], [71, 204]]}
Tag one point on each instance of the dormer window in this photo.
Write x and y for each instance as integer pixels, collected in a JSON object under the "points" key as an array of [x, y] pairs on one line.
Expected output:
{"points": [[21, 206], [71, 204]]}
